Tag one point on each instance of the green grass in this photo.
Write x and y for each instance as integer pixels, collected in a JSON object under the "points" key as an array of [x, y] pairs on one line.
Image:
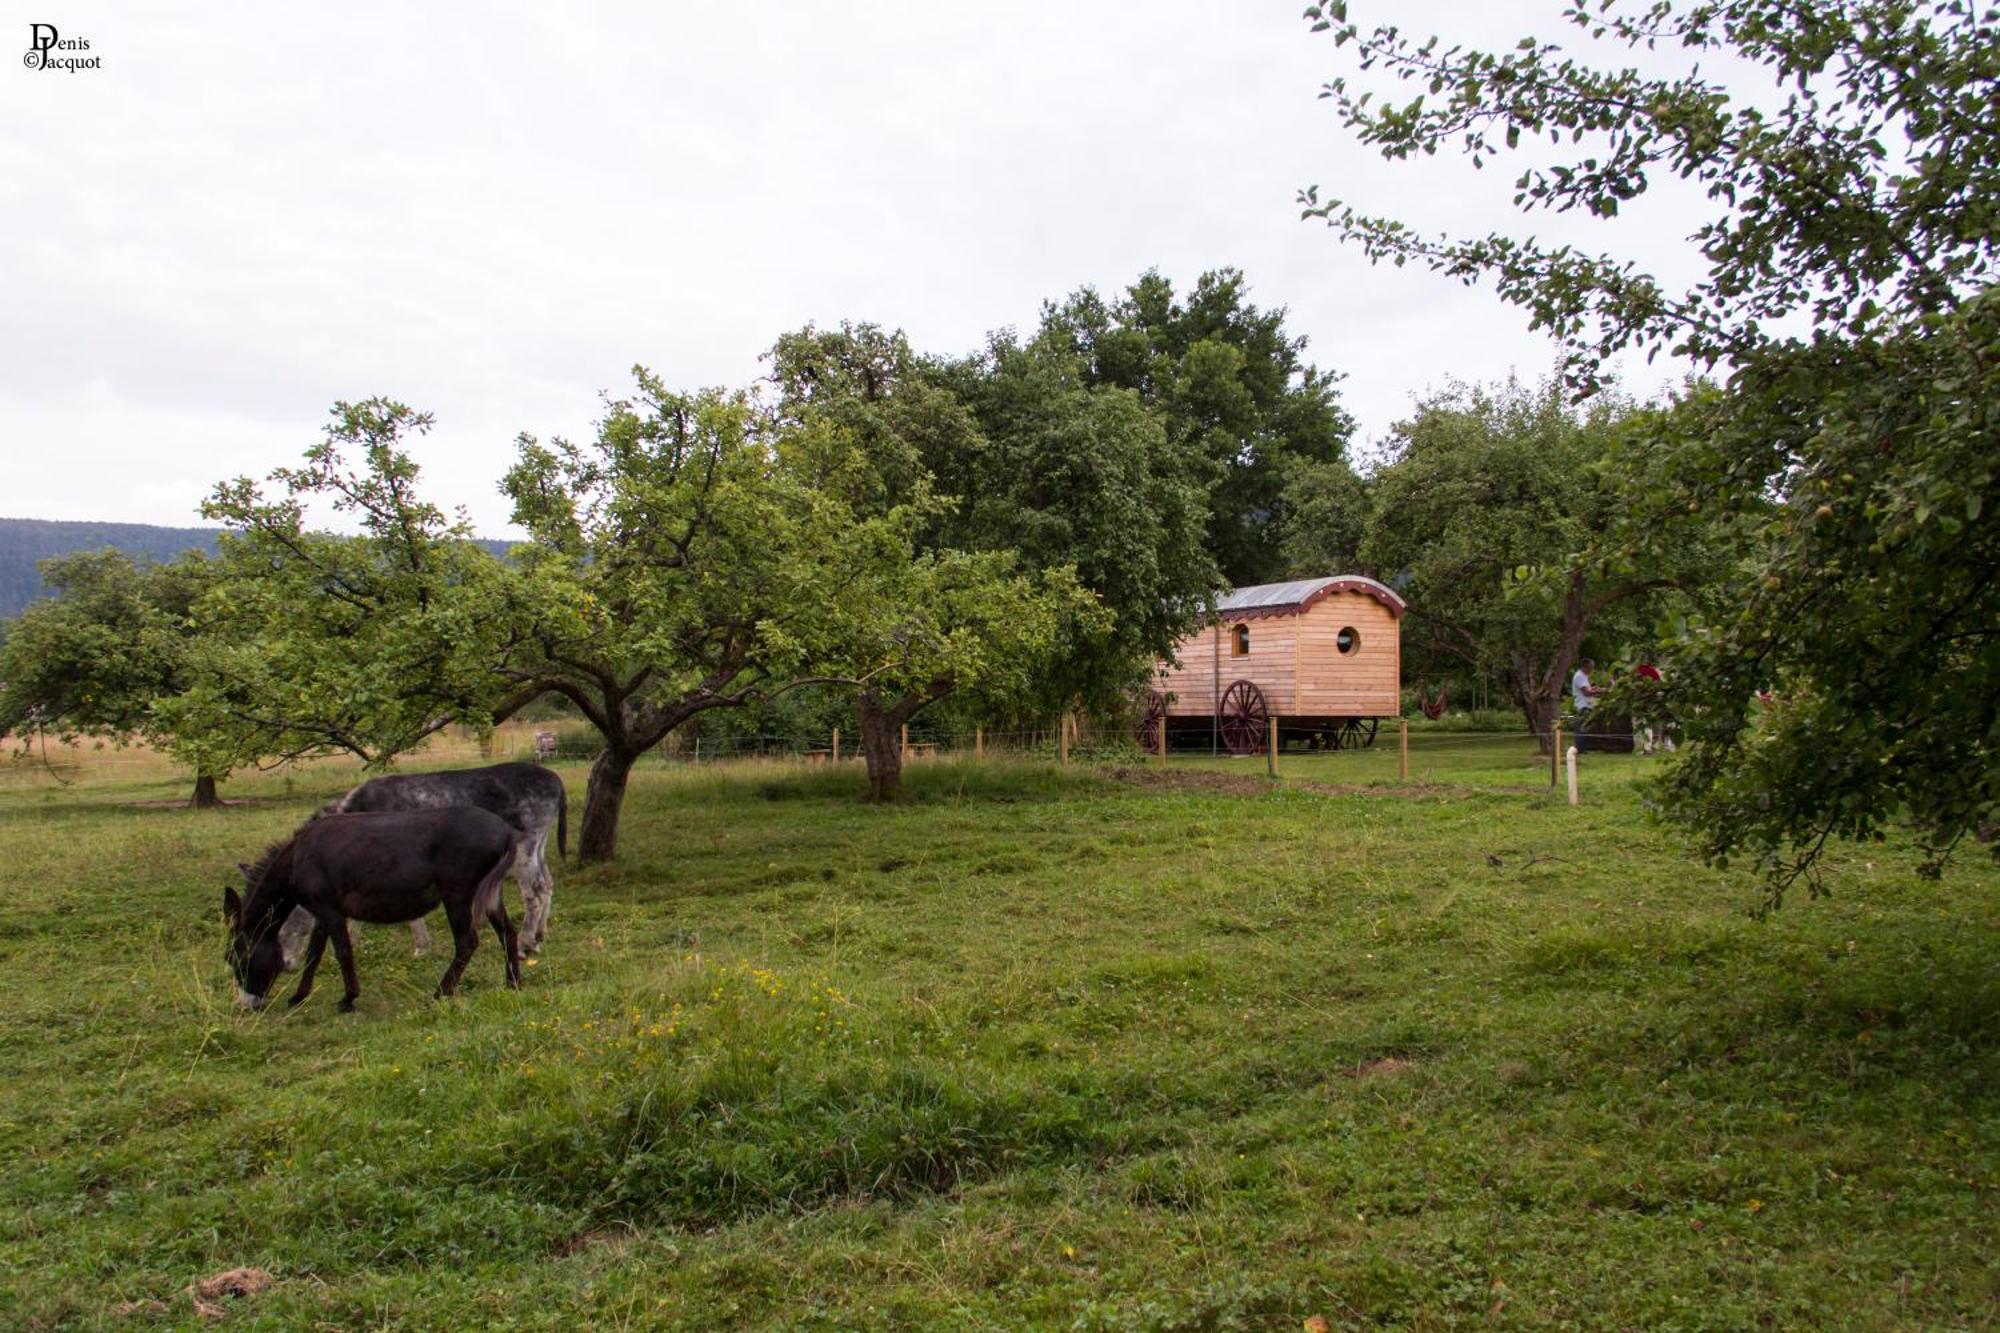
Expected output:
{"points": [[1038, 1048]]}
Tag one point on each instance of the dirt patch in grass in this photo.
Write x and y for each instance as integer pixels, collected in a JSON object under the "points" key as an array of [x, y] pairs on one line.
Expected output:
{"points": [[1246, 784], [1380, 1067], [232, 1284], [136, 1309], [613, 1238]]}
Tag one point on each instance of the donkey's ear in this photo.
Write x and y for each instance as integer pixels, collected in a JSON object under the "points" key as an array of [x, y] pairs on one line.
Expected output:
{"points": [[232, 906]]}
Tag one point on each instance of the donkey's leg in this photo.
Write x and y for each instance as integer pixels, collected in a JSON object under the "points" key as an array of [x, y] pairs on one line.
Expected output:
{"points": [[458, 912], [510, 941], [315, 948], [537, 884], [546, 897], [343, 949], [294, 935], [420, 938]]}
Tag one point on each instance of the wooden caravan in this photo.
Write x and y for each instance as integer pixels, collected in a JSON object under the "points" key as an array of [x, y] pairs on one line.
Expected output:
{"points": [[1323, 656]]}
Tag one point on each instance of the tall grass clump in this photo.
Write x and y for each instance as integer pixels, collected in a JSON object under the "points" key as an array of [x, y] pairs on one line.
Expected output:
{"points": [[724, 1092]]}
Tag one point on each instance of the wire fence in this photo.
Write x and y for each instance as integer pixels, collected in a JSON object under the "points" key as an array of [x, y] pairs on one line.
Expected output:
{"points": [[38, 761], [1387, 752], [1381, 751]]}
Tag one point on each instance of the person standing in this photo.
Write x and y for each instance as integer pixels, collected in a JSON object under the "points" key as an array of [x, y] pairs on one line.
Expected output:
{"points": [[1655, 728], [1582, 697]]}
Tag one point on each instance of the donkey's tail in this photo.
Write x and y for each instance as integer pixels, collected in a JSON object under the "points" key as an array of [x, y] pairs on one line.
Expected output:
{"points": [[486, 898], [336, 806], [562, 819]]}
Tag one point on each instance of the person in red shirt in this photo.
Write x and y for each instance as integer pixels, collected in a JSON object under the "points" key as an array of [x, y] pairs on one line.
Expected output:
{"points": [[1655, 730]]}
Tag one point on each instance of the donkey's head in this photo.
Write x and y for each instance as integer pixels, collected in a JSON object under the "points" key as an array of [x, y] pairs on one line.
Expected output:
{"points": [[255, 954]]}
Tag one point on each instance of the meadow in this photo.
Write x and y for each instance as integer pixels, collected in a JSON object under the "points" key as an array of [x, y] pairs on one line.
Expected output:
{"points": [[1092, 1047]]}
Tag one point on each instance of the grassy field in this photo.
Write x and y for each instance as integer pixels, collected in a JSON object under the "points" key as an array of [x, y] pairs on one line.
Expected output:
{"points": [[1084, 1048]]}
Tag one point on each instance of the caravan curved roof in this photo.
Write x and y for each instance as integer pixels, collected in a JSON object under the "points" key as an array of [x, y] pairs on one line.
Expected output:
{"points": [[1290, 598]]}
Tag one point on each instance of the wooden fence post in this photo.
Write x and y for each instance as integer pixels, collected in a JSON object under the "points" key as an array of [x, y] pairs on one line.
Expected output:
{"points": [[1406, 748], [1163, 739], [1062, 739], [1271, 756], [979, 742], [1555, 754], [1572, 775]]}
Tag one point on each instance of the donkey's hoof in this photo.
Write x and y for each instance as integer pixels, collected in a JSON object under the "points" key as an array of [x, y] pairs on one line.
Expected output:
{"points": [[347, 1004]]}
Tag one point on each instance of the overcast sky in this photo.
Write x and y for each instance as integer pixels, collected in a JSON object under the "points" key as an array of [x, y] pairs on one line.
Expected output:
{"points": [[250, 211]]}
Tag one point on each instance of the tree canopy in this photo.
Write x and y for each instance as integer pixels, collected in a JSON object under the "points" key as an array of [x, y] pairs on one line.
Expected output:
{"points": [[94, 658], [1493, 514], [1230, 385], [1848, 293], [675, 565], [857, 415], [310, 642], [1085, 476]]}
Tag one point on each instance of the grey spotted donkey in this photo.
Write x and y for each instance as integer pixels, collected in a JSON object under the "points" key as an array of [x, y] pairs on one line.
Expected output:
{"points": [[530, 798]]}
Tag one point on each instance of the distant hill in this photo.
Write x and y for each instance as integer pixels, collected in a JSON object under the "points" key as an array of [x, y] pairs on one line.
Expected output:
{"points": [[25, 542]]}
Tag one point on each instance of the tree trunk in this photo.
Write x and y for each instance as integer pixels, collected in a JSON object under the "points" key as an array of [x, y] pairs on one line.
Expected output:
{"points": [[882, 746], [1534, 688], [602, 801], [204, 797], [1541, 712]]}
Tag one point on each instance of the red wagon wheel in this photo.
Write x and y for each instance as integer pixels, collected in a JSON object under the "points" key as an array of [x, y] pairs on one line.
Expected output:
{"points": [[1148, 729], [1244, 717]]}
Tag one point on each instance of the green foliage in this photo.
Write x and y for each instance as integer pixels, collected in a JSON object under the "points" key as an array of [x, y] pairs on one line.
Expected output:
{"points": [[657, 562], [310, 642], [1493, 513], [861, 417], [1325, 517], [696, 555], [1084, 476], [935, 623], [1231, 386], [1870, 615], [923, 619], [1849, 290], [1869, 194], [92, 659]]}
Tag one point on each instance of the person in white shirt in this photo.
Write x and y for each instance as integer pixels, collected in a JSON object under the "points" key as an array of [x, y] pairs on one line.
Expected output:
{"points": [[1582, 696]]}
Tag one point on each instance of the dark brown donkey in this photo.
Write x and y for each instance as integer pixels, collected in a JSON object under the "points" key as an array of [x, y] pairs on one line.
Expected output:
{"points": [[382, 868]]}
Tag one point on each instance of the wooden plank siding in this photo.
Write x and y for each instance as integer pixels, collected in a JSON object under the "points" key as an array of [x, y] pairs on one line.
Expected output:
{"points": [[1271, 663], [1295, 661], [1365, 683], [1188, 680]]}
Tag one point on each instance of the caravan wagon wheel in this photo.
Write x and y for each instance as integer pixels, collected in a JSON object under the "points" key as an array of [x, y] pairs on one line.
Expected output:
{"points": [[1355, 733], [1244, 716], [1147, 732]]}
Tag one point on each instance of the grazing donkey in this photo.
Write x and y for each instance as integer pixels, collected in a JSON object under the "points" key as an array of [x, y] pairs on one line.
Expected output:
{"points": [[529, 797], [374, 867]]}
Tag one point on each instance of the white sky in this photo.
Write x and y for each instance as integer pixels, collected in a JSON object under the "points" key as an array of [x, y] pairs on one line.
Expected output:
{"points": [[492, 211]]}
